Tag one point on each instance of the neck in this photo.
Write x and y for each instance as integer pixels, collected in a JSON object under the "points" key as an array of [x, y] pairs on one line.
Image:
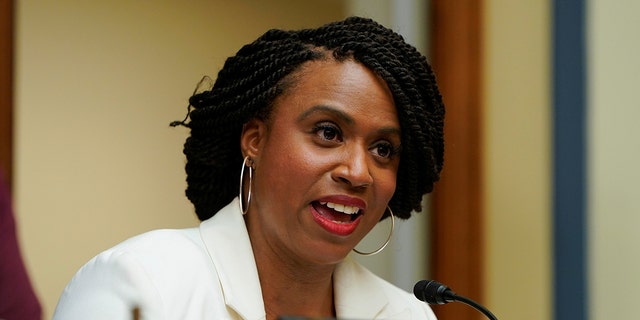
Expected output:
{"points": [[290, 289], [293, 288]]}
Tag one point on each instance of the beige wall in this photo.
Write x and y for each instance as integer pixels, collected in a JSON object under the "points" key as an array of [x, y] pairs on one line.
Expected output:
{"points": [[97, 83], [517, 164], [517, 158], [613, 70]]}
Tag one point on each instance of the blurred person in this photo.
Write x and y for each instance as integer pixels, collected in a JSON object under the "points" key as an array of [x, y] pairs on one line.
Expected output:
{"points": [[18, 301]]}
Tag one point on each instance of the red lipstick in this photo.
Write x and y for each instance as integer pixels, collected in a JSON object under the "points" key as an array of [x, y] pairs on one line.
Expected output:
{"points": [[330, 214]]}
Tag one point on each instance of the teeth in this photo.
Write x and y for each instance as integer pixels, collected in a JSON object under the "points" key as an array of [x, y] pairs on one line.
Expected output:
{"points": [[341, 207]]}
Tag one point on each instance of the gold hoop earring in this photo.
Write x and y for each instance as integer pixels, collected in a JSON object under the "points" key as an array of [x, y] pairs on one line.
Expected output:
{"points": [[393, 225], [247, 162]]}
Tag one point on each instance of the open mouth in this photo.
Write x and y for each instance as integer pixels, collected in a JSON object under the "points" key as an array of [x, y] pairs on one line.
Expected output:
{"points": [[336, 212]]}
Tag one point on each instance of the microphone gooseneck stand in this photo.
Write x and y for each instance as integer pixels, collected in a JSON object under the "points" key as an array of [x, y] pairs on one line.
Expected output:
{"points": [[434, 292]]}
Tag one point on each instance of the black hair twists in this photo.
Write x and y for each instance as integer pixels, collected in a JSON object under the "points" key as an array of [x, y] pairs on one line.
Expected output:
{"points": [[249, 82]]}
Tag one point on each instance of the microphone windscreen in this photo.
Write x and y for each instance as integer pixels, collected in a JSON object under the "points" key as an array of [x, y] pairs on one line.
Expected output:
{"points": [[431, 291]]}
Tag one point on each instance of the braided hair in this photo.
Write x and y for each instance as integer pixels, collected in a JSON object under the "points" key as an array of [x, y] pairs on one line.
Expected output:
{"points": [[249, 82]]}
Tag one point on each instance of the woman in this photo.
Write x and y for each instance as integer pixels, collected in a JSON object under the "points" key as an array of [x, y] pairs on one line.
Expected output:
{"points": [[334, 129]]}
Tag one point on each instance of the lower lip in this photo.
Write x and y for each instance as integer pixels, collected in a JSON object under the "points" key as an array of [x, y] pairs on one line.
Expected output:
{"points": [[340, 229]]}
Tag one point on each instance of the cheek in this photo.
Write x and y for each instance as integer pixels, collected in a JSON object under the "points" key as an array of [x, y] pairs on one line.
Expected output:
{"points": [[283, 161], [290, 152], [386, 178], [386, 183]]}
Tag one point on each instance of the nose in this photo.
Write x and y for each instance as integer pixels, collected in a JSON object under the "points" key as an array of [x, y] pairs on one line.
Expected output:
{"points": [[354, 169]]}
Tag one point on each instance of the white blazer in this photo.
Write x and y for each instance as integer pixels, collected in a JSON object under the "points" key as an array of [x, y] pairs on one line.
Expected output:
{"points": [[209, 273]]}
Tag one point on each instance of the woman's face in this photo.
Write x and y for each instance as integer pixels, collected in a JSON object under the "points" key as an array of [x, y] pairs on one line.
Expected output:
{"points": [[325, 163]]}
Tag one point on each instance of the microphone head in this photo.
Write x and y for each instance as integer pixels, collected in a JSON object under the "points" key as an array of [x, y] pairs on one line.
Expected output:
{"points": [[433, 292]]}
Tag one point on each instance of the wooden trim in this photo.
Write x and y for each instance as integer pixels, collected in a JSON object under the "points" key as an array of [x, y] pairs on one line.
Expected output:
{"points": [[6, 89], [457, 226]]}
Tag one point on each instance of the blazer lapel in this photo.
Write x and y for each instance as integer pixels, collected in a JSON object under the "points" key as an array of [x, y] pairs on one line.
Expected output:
{"points": [[356, 295], [227, 242]]}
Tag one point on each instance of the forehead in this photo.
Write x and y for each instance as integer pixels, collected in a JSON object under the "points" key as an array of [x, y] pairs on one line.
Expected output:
{"points": [[329, 71], [346, 84]]}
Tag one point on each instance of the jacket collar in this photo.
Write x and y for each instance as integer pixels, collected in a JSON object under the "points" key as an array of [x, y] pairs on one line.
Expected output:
{"points": [[227, 241], [357, 292]]}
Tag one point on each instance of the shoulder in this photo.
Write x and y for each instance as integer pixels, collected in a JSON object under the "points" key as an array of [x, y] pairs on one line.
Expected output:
{"points": [[358, 281], [402, 299], [147, 272], [157, 252], [407, 301], [166, 245]]}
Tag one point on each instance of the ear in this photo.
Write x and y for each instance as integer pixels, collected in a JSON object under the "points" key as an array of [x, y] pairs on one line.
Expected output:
{"points": [[252, 138]]}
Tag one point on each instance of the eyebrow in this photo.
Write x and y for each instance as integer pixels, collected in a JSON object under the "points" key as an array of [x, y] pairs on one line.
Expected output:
{"points": [[326, 109], [390, 131]]}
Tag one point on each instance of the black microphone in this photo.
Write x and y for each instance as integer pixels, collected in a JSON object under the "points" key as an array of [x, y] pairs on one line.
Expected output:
{"points": [[434, 292]]}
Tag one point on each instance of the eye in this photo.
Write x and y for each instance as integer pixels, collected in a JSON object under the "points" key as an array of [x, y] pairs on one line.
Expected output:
{"points": [[328, 132], [385, 150]]}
